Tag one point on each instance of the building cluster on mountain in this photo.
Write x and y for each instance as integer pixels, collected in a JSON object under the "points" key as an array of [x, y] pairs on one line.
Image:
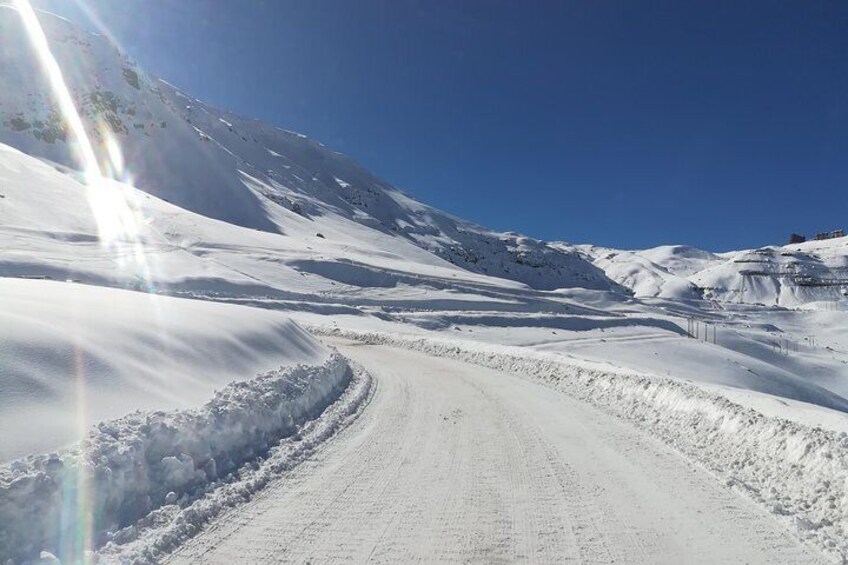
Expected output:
{"points": [[796, 238]]}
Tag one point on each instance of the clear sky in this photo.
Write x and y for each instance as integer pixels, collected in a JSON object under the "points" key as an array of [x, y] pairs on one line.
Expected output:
{"points": [[721, 124]]}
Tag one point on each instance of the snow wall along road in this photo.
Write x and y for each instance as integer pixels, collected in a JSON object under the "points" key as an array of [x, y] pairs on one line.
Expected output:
{"points": [[126, 468]]}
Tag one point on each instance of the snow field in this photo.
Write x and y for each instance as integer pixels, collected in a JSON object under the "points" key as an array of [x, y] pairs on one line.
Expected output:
{"points": [[809, 274], [313, 232], [128, 467], [74, 355], [798, 472]]}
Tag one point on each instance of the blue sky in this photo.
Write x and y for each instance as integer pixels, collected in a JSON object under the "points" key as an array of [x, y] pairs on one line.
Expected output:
{"points": [[630, 124]]}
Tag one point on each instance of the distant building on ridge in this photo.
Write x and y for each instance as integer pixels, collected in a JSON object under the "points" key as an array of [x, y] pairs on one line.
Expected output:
{"points": [[830, 234], [796, 238]]}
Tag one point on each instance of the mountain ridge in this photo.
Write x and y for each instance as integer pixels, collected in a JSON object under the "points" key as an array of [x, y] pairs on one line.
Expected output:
{"points": [[241, 170], [248, 173]]}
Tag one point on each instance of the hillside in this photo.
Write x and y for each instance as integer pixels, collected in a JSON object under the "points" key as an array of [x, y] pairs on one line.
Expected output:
{"points": [[238, 170], [238, 345], [262, 177], [812, 273]]}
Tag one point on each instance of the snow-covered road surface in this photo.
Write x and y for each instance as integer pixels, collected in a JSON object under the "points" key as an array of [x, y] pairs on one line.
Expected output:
{"points": [[452, 462]]}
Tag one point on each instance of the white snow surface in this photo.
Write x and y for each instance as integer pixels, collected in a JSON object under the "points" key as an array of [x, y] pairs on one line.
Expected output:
{"points": [[74, 355], [162, 531], [813, 273], [129, 467], [457, 463], [229, 229], [797, 472], [242, 171]]}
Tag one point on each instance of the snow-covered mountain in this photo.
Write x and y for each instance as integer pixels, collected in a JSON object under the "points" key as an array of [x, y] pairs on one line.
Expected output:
{"points": [[660, 272], [255, 249], [258, 176], [239, 170], [791, 275]]}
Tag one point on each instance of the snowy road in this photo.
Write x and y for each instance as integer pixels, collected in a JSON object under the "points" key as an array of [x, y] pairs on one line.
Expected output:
{"points": [[456, 463]]}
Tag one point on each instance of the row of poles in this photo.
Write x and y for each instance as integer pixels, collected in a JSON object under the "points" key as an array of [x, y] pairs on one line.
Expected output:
{"points": [[784, 345], [704, 331], [701, 330]]}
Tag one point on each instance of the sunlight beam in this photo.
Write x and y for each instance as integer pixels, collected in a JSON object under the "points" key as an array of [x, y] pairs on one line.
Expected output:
{"points": [[118, 219], [59, 90]]}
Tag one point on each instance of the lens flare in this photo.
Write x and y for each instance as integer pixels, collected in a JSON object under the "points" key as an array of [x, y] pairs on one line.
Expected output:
{"points": [[117, 220], [116, 157], [116, 211], [85, 151]]}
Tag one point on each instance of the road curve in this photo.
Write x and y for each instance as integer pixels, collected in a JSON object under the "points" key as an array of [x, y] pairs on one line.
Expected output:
{"points": [[454, 463]]}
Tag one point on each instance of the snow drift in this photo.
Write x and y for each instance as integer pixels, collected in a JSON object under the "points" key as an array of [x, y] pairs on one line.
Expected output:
{"points": [[166, 528], [74, 354], [128, 467]]}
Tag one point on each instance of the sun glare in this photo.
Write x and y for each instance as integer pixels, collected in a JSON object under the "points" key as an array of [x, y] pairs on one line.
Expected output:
{"points": [[85, 151], [116, 219], [115, 210]]}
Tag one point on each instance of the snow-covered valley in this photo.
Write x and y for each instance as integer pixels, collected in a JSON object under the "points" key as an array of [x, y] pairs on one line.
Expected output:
{"points": [[492, 397]]}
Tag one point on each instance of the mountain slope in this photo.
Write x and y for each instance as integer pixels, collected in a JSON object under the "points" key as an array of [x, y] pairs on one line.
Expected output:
{"points": [[237, 170], [264, 230], [660, 272], [792, 275]]}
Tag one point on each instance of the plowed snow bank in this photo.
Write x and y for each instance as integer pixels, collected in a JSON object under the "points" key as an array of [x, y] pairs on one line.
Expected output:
{"points": [[72, 355], [128, 467]]}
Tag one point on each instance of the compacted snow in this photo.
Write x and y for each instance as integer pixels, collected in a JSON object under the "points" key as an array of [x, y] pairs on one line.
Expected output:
{"points": [[454, 463]]}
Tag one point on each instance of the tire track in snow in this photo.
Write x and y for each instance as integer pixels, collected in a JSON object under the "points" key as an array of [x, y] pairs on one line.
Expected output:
{"points": [[457, 463]]}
